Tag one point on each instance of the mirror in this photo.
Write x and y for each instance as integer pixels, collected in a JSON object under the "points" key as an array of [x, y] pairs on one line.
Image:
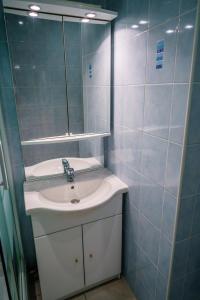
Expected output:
{"points": [[61, 69]]}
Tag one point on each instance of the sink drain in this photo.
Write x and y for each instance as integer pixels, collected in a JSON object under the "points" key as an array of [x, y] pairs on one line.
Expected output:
{"points": [[75, 201]]}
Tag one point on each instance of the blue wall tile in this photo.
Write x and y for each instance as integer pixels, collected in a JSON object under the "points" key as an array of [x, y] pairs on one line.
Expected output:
{"points": [[192, 287], [173, 169], [154, 156], [164, 259], [135, 59], [131, 148], [137, 11], [161, 11], [161, 287], [194, 255], [176, 290], [178, 113], [169, 214], [157, 110], [193, 130], [148, 239], [184, 48], [151, 201], [196, 217], [133, 102], [188, 5], [185, 218], [147, 275], [180, 259], [191, 175]]}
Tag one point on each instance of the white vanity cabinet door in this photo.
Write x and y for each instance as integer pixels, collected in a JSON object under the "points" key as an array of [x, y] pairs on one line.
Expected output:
{"points": [[60, 263], [102, 249]]}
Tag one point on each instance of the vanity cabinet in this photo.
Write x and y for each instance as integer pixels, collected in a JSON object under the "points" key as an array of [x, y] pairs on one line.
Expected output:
{"points": [[72, 260], [60, 263], [102, 249]]}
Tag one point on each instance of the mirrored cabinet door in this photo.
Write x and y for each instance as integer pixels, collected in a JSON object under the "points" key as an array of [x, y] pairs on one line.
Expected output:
{"points": [[37, 53], [73, 52], [88, 59], [96, 47]]}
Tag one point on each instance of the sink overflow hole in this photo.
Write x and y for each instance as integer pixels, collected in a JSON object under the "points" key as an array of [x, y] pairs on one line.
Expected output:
{"points": [[75, 201], [72, 187]]}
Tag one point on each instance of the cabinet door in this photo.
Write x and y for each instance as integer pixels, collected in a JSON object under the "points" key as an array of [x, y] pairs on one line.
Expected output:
{"points": [[102, 249], [60, 263]]}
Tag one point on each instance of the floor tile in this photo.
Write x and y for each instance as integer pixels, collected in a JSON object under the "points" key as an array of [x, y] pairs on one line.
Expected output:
{"points": [[115, 290]]}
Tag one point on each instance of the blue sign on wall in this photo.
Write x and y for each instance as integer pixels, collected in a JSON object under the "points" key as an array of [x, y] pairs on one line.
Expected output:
{"points": [[160, 49]]}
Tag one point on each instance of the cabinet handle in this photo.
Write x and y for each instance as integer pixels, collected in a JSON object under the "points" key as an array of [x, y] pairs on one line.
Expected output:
{"points": [[76, 260], [91, 255]]}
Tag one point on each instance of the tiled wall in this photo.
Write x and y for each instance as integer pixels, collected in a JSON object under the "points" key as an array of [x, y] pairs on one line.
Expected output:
{"points": [[149, 120], [185, 281], [7, 99]]}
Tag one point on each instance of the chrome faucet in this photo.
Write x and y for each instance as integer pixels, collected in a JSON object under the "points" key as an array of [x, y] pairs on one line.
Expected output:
{"points": [[68, 171]]}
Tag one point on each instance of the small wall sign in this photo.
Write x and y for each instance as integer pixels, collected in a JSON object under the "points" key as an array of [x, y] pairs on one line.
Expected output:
{"points": [[160, 49]]}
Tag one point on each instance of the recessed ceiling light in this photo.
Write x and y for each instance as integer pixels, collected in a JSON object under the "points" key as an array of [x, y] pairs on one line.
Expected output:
{"points": [[169, 31], [85, 20], [34, 7], [33, 14], [134, 26], [189, 26], [143, 22], [90, 15], [20, 22]]}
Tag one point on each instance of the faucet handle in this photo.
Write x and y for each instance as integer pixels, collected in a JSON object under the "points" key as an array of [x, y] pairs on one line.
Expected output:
{"points": [[65, 162]]}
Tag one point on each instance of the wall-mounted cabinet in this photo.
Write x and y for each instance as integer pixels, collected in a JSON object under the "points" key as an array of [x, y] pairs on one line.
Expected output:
{"points": [[61, 69], [74, 259]]}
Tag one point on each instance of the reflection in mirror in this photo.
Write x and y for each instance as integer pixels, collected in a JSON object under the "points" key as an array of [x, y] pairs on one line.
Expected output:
{"points": [[46, 160], [36, 48]]}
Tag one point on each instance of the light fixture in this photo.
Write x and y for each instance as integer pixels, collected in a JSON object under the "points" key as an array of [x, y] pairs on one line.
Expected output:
{"points": [[33, 14], [20, 22], [85, 20], [189, 26], [134, 26], [90, 15], [170, 31], [143, 22], [34, 7]]}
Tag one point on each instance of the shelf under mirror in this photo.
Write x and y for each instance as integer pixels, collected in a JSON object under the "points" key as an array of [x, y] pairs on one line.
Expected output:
{"points": [[63, 139]]}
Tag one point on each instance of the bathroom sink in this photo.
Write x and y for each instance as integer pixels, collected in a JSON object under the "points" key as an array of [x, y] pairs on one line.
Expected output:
{"points": [[89, 190], [54, 167]]}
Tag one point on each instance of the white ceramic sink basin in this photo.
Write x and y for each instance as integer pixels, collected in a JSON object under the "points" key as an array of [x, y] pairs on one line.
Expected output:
{"points": [[54, 167], [89, 190]]}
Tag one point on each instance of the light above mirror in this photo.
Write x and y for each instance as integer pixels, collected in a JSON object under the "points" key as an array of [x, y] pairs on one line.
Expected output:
{"points": [[90, 15], [34, 7]]}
